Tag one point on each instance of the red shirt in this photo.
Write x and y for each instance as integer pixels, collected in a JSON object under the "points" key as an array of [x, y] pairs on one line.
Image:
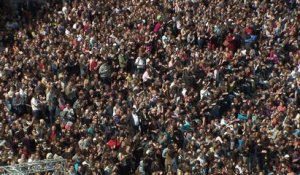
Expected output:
{"points": [[281, 108], [230, 39], [93, 65], [248, 30], [25, 152], [85, 28], [157, 27], [41, 66], [53, 135], [114, 143]]}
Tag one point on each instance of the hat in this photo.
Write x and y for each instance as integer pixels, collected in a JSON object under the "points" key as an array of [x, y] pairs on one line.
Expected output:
{"points": [[85, 163], [148, 152], [49, 156], [286, 156]]}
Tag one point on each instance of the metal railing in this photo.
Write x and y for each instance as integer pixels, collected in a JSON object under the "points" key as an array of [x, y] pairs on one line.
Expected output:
{"points": [[57, 166]]}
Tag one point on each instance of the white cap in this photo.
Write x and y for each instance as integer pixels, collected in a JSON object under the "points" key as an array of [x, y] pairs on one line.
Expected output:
{"points": [[49, 156], [286, 156], [85, 163]]}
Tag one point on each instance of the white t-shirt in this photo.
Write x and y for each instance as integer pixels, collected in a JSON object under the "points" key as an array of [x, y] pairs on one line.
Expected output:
{"points": [[204, 93], [146, 76], [140, 62], [135, 119], [35, 104], [70, 112]]}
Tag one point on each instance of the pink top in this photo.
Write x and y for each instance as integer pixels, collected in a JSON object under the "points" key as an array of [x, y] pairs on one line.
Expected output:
{"points": [[157, 27]]}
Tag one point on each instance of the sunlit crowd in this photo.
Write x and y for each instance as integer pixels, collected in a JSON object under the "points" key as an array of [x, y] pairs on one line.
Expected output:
{"points": [[152, 87]]}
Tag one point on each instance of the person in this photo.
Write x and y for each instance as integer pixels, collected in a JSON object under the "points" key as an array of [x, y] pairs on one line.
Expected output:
{"points": [[69, 114], [36, 107], [140, 63], [105, 72], [147, 76], [134, 122]]}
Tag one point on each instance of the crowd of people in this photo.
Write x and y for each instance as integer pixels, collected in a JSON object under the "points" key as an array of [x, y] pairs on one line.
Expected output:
{"points": [[153, 86]]}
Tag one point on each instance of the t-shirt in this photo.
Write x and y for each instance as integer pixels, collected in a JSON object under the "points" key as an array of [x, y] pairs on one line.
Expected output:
{"points": [[104, 70], [135, 119], [146, 76], [157, 27], [140, 63], [35, 104]]}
